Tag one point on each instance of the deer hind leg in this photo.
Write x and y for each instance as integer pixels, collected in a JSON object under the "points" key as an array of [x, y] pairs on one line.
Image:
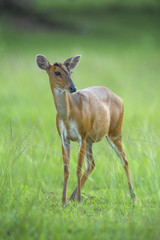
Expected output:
{"points": [[89, 166], [116, 144]]}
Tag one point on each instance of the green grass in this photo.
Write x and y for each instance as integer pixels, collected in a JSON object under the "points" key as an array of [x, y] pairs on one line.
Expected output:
{"points": [[31, 170]]}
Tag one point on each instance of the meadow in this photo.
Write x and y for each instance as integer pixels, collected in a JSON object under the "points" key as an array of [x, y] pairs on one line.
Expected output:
{"points": [[125, 59]]}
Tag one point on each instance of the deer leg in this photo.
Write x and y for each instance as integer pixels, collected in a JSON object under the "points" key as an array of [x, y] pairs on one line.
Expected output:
{"points": [[89, 166], [66, 155], [81, 154], [116, 144]]}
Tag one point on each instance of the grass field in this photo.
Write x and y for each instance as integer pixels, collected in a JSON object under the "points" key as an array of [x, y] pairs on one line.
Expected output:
{"points": [[31, 170]]}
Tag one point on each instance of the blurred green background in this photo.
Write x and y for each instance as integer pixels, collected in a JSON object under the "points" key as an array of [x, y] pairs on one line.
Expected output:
{"points": [[119, 44]]}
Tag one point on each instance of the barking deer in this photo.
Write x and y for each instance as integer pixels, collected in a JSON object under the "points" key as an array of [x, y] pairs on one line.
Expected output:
{"points": [[85, 116]]}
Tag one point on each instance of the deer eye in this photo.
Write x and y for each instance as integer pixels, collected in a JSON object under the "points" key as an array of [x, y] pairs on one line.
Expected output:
{"points": [[58, 74]]}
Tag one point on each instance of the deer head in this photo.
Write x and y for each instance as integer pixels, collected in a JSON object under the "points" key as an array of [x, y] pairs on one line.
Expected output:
{"points": [[59, 73]]}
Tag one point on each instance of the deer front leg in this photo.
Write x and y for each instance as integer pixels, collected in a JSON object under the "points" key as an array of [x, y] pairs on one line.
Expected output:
{"points": [[66, 156], [89, 166], [81, 155]]}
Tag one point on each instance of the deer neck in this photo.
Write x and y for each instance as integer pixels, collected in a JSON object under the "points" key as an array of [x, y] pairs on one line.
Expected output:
{"points": [[61, 100]]}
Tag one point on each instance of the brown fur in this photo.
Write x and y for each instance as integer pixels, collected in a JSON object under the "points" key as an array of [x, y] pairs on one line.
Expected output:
{"points": [[96, 112]]}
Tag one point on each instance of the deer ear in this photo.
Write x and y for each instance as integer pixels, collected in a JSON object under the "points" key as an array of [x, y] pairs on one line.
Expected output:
{"points": [[42, 62], [72, 62]]}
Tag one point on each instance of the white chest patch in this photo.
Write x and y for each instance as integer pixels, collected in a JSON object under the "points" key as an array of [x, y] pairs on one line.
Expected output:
{"points": [[70, 131], [63, 132]]}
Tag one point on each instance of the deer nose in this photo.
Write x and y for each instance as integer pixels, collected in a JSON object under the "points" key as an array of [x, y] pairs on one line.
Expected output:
{"points": [[72, 89]]}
